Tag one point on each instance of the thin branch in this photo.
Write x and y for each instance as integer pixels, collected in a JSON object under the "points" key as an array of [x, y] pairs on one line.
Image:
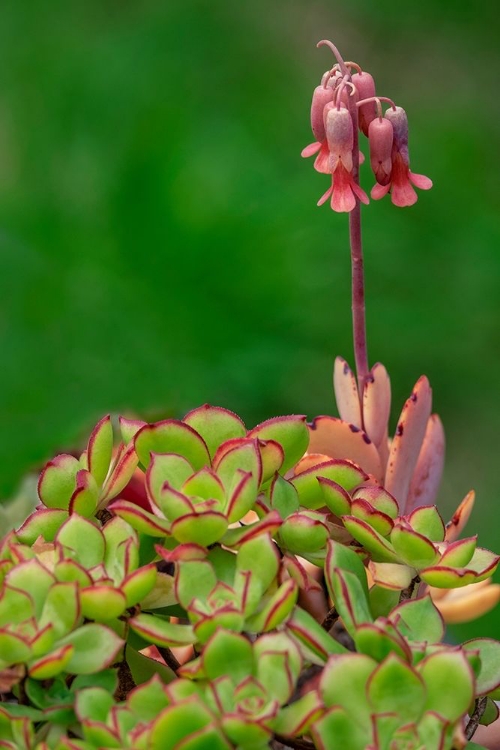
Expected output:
{"points": [[479, 709], [408, 592], [169, 658], [330, 619], [297, 743]]}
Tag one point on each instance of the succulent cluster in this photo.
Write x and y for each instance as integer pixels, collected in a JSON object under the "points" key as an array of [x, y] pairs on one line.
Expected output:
{"points": [[194, 585]]}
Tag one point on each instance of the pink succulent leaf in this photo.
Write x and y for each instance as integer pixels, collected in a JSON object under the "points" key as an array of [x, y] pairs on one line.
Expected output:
{"points": [[346, 392], [428, 471], [100, 449], [459, 519], [377, 403], [340, 440], [407, 443]]}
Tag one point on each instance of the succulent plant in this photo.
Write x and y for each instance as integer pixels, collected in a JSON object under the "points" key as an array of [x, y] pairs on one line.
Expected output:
{"points": [[200, 585]]}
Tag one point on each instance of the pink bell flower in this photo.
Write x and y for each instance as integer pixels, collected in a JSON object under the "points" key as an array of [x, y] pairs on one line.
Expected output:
{"points": [[402, 179], [365, 86], [381, 138], [340, 138]]}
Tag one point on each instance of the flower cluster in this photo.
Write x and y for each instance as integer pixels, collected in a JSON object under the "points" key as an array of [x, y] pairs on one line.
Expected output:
{"points": [[342, 104]]}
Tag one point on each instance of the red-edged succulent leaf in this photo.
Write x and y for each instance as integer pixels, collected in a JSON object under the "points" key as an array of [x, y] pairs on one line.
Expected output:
{"points": [[236, 537], [458, 554], [166, 467], [344, 473], [140, 519], [309, 633], [15, 606], [186, 552], [61, 608], [460, 517], [139, 584], [44, 522], [413, 548], [172, 504], [276, 610], [121, 473], [350, 599], [299, 573], [161, 632], [378, 642], [228, 654], [488, 678], [203, 528], [379, 548], [335, 497], [407, 443], [84, 538], [337, 729], [84, 499], [343, 681], [272, 457], [100, 449], [482, 565], [419, 620], [67, 571], [179, 722], [13, 648], [34, 579], [204, 483], [290, 432], [129, 428], [52, 664], [172, 436], [243, 496], [345, 558], [346, 392], [243, 456], [426, 520], [215, 425], [391, 575], [304, 531], [57, 481], [296, 719], [429, 469], [440, 671], [194, 580], [395, 686], [379, 498], [377, 403], [102, 603], [283, 496], [381, 522], [341, 440], [95, 648]]}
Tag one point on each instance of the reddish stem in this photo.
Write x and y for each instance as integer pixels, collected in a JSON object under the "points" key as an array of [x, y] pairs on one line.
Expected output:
{"points": [[358, 281]]}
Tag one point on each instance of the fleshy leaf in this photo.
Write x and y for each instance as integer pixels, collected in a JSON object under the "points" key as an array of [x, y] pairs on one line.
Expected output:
{"points": [[335, 497], [228, 654], [343, 682], [304, 532], [407, 443], [440, 671], [310, 634], [341, 440], [337, 729], [84, 499], [57, 481], [378, 547], [283, 496], [377, 403], [426, 520], [350, 600], [426, 478], [95, 648], [344, 473], [172, 436], [395, 686], [345, 558], [215, 425], [346, 392], [161, 632], [488, 678], [419, 620], [85, 539], [459, 519], [290, 432], [391, 575], [100, 449], [166, 467], [413, 548]]}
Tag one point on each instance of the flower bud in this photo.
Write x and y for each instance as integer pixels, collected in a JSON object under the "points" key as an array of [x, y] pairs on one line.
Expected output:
{"points": [[321, 97], [340, 137], [366, 88], [397, 116], [381, 136]]}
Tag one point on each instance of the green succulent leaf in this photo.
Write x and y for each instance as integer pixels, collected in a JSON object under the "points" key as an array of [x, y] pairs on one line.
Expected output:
{"points": [[343, 473], [215, 425], [379, 548], [312, 636], [427, 521], [290, 432], [84, 539], [229, 654], [161, 632], [337, 729], [395, 686], [440, 671], [57, 481], [488, 678], [100, 449], [171, 436], [419, 620], [349, 597], [413, 548], [345, 558], [95, 647]]}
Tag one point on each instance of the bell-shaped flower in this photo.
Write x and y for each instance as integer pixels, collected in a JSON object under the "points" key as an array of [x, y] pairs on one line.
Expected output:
{"points": [[365, 87], [381, 137], [340, 138], [402, 179]]}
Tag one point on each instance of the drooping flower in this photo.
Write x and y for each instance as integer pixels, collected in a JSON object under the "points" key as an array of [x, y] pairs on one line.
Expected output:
{"points": [[381, 137], [340, 137], [402, 179], [365, 86]]}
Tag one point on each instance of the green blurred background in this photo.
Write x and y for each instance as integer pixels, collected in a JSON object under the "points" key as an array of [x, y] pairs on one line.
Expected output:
{"points": [[160, 245]]}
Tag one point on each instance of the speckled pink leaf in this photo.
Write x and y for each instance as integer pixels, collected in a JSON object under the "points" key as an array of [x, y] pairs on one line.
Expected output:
{"points": [[338, 439], [459, 519], [427, 475], [407, 441], [377, 403], [346, 392]]}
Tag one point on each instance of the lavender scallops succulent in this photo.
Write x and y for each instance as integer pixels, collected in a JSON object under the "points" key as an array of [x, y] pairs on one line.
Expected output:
{"points": [[192, 584]]}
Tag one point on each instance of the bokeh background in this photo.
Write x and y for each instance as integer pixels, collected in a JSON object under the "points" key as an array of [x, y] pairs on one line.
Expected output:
{"points": [[160, 246]]}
